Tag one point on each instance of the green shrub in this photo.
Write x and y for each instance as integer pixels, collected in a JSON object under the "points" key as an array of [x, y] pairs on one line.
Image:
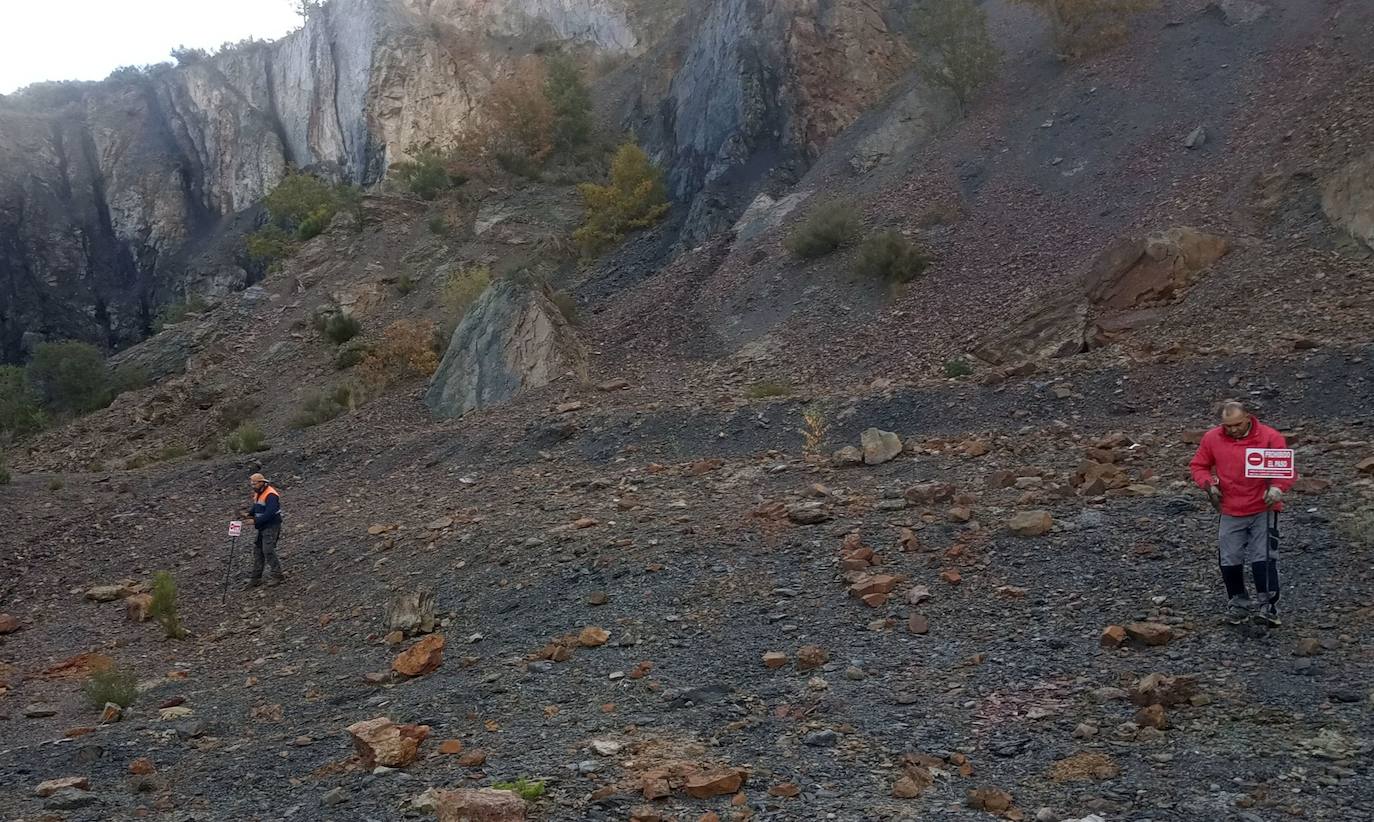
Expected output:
{"points": [[405, 284], [314, 225], [20, 414], [462, 288], [129, 378], [428, 173], [890, 257], [174, 313], [768, 388], [826, 229], [321, 407], [572, 104], [246, 439], [956, 369], [112, 685], [342, 327], [56, 484], [526, 789], [164, 607], [300, 197], [438, 226], [270, 245], [70, 377], [351, 353], [636, 198]]}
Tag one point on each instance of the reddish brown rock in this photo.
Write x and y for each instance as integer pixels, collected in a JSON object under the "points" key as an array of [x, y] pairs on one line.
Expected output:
{"points": [[774, 659], [918, 624], [474, 758], [1112, 636], [593, 637], [714, 783], [810, 657], [143, 766], [951, 576], [52, 786], [451, 747], [424, 657], [1150, 633], [929, 493], [1365, 466], [784, 789], [382, 742], [1161, 689], [1151, 716], [993, 800], [876, 584], [478, 805], [1311, 486], [8, 624]]}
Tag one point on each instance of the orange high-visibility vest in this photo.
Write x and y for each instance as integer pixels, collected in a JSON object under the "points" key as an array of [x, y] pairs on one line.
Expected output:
{"points": [[261, 496]]}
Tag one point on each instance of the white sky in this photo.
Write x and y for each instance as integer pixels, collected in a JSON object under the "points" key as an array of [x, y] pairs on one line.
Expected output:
{"points": [[87, 39]]}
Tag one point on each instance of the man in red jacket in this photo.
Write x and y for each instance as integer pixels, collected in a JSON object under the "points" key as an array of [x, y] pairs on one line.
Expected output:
{"points": [[1245, 505]]}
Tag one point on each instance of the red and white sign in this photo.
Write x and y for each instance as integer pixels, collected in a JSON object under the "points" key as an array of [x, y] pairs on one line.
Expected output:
{"points": [[235, 528], [1269, 463]]}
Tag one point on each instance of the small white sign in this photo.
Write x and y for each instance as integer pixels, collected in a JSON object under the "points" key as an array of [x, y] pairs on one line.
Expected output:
{"points": [[235, 528], [1269, 463]]}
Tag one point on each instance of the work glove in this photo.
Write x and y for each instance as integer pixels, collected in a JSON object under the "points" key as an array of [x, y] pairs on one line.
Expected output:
{"points": [[1214, 494], [1273, 496]]}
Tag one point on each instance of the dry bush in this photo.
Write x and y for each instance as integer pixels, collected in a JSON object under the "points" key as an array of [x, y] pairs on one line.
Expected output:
{"points": [[826, 229], [1086, 27], [891, 257], [405, 352], [517, 120]]}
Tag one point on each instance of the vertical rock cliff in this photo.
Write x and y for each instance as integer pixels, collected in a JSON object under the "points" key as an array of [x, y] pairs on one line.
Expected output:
{"points": [[114, 196]]}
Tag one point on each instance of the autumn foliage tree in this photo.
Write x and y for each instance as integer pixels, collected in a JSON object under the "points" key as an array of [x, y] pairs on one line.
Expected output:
{"points": [[518, 119], [1083, 27], [634, 198]]}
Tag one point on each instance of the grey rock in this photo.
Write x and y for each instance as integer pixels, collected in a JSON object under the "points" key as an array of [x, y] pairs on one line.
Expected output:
{"points": [[511, 339], [880, 446], [40, 710], [70, 799], [335, 797], [822, 739], [1196, 138]]}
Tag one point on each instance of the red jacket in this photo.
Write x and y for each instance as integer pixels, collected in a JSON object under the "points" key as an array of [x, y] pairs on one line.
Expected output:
{"points": [[1224, 456]]}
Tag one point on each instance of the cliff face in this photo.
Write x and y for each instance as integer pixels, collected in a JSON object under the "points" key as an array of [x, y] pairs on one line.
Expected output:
{"points": [[112, 193]]}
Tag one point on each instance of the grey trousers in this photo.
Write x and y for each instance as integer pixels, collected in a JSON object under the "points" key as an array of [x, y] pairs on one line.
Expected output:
{"points": [[265, 550], [1244, 540]]}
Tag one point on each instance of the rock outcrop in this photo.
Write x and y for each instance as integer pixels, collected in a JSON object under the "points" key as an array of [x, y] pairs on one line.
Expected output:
{"points": [[511, 339], [1348, 199], [1122, 289]]}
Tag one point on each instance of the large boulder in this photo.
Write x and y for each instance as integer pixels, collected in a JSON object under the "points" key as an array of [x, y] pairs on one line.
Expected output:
{"points": [[1348, 199], [1137, 271], [511, 339], [382, 742]]}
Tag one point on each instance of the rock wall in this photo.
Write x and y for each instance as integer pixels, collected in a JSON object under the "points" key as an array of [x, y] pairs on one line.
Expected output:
{"points": [[112, 194]]}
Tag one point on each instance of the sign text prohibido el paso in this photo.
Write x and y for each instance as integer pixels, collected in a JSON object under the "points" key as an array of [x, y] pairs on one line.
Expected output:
{"points": [[1269, 463]]}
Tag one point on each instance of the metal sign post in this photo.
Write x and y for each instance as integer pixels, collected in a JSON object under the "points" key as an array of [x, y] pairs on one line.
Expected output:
{"points": [[235, 528]]}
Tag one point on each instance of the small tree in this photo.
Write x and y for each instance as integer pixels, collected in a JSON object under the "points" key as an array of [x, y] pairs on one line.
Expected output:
{"points": [[428, 173], [114, 685], [164, 607], [305, 8], [572, 105], [518, 119], [636, 198], [19, 411], [70, 377], [953, 49], [1083, 27]]}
